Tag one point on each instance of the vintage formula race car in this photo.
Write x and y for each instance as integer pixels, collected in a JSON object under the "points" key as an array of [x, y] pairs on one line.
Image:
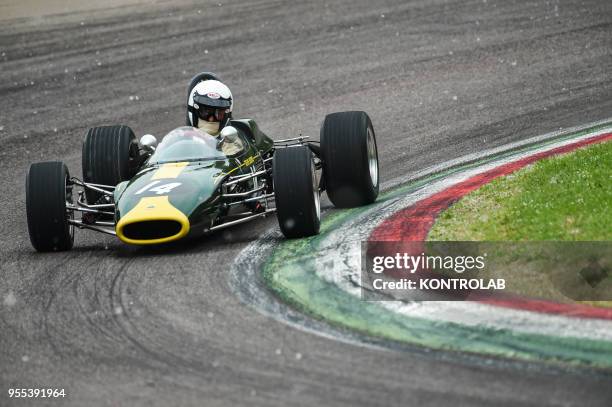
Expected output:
{"points": [[193, 183]]}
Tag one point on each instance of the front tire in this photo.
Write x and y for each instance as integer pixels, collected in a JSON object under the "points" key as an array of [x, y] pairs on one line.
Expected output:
{"points": [[350, 159], [296, 192], [110, 155], [48, 189]]}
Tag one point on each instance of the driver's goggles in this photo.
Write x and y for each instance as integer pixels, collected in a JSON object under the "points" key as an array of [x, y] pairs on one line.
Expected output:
{"points": [[210, 114]]}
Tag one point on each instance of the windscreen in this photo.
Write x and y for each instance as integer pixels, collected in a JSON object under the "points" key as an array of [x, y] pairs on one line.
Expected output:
{"points": [[187, 144]]}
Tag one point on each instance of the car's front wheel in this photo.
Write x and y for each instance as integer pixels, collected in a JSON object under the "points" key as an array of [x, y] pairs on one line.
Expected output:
{"points": [[48, 192], [296, 191]]}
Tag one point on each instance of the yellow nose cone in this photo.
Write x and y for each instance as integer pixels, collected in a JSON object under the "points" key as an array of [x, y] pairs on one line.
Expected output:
{"points": [[153, 220]]}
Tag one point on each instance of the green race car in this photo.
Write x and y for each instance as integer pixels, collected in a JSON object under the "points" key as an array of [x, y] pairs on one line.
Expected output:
{"points": [[194, 183]]}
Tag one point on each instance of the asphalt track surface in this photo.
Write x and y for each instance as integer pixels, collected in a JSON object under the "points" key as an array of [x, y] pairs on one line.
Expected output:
{"points": [[118, 325]]}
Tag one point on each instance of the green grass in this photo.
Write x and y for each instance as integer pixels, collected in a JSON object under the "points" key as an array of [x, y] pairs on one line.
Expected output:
{"points": [[567, 197], [562, 198]]}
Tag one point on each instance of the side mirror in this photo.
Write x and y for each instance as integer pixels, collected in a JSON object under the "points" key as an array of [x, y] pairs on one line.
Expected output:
{"points": [[229, 132], [149, 142]]}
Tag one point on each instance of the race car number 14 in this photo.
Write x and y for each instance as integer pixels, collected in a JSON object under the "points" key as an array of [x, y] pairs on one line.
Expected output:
{"points": [[158, 189]]}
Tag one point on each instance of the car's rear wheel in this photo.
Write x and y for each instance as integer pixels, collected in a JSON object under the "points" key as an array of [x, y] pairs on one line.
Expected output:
{"points": [[296, 191], [110, 155], [48, 189], [350, 159]]}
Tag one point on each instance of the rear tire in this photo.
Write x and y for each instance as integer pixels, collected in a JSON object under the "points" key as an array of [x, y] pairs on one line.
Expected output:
{"points": [[110, 155], [47, 190], [350, 159], [296, 192]]}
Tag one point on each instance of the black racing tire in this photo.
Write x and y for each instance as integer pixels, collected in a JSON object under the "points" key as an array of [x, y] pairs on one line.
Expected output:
{"points": [[350, 159], [296, 192], [110, 155], [47, 191]]}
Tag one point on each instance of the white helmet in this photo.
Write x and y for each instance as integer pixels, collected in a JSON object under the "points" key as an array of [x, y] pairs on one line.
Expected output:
{"points": [[209, 106]]}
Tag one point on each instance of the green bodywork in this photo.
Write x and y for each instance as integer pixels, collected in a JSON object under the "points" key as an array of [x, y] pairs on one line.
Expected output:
{"points": [[198, 192]]}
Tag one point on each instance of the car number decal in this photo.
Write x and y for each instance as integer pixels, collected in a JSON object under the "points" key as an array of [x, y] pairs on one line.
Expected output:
{"points": [[158, 189]]}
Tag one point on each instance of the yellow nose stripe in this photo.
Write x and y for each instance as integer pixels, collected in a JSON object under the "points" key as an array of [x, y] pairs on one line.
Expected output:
{"points": [[170, 170]]}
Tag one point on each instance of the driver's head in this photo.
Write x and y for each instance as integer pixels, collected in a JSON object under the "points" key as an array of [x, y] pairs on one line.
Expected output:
{"points": [[210, 106]]}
